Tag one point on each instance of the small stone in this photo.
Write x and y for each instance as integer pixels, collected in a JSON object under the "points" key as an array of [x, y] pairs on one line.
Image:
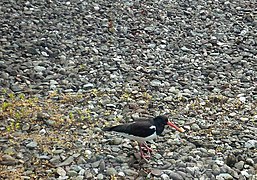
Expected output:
{"points": [[31, 145], [231, 160], [53, 82], [239, 165], [173, 90], [242, 99], [88, 152], [225, 176], [166, 177], [95, 164], [195, 127], [168, 99], [121, 174], [16, 88], [110, 105], [82, 172], [215, 132], [156, 172], [192, 170], [211, 152], [25, 127], [157, 156], [39, 68], [219, 162], [175, 176], [245, 174], [130, 172], [155, 83], [45, 157], [232, 114], [88, 175], [184, 48], [81, 160], [72, 173], [67, 162], [101, 165], [44, 53], [116, 141], [88, 86], [244, 119], [249, 161], [57, 151], [10, 151], [25, 177], [251, 144], [42, 132], [121, 159], [50, 122], [111, 171], [8, 160], [42, 116], [79, 178], [60, 171], [215, 169], [96, 8], [55, 160], [100, 176]]}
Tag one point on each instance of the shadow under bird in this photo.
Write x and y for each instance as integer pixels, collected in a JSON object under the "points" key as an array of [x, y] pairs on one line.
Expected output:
{"points": [[143, 131]]}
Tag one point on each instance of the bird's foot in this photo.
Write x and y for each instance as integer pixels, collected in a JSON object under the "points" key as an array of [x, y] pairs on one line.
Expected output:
{"points": [[145, 157]]}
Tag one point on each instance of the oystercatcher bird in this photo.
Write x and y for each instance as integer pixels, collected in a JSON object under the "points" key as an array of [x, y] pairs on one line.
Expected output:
{"points": [[143, 131]]}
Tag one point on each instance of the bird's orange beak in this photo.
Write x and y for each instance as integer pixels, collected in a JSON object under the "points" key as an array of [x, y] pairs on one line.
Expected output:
{"points": [[176, 127]]}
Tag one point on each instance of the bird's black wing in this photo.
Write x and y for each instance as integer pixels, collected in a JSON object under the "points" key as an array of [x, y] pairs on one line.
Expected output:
{"points": [[139, 128]]}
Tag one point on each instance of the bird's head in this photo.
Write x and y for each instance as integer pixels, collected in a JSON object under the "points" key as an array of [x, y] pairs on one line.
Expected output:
{"points": [[163, 120]]}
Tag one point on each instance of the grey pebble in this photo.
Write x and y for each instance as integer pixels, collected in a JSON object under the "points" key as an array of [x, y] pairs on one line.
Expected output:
{"points": [[239, 165], [102, 165], [155, 83], [195, 127], [95, 164], [8, 160], [25, 127], [116, 141], [249, 161], [60, 171], [100, 176], [111, 171], [166, 177], [32, 145], [88, 175], [130, 172], [39, 68], [224, 176], [78, 178], [175, 176], [67, 161], [72, 173]]}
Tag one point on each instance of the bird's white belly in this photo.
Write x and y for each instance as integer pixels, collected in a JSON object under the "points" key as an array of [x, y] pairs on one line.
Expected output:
{"points": [[140, 139]]}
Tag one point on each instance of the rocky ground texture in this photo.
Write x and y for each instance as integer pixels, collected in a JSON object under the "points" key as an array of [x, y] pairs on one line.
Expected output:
{"points": [[69, 68]]}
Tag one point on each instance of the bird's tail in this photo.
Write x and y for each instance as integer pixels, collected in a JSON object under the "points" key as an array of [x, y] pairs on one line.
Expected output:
{"points": [[107, 129], [118, 128]]}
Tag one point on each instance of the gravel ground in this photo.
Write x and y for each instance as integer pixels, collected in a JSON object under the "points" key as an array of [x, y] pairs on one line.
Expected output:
{"points": [[69, 68]]}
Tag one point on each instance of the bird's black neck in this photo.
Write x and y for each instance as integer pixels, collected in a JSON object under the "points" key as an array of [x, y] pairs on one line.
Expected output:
{"points": [[159, 128]]}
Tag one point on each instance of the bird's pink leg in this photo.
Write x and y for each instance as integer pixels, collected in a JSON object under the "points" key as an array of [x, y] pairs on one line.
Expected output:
{"points": [[147, 147], [142, 154]]}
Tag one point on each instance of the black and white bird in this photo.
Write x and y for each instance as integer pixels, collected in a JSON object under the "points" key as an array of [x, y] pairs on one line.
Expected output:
{"points": [[143, 131]]}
